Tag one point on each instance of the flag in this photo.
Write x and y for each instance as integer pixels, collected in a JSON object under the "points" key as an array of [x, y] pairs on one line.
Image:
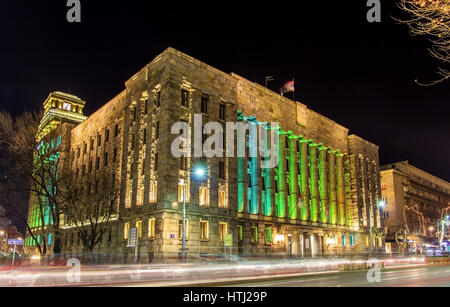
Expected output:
{"points": [[288, 87]]}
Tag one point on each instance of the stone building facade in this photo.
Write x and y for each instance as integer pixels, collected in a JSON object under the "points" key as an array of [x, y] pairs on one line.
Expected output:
{"points": [[416, 202], [321, 198]]}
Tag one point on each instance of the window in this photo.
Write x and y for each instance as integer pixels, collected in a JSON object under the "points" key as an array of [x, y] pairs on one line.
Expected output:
{"points": [[181, 188], [240, 232], [140, 197], [126, 230], [134, 114], [153, 192], [185, 98], [180, 228], [115, 155], [144, 138], [204, 104], [132, 141], [203, 195], [352, 240], [157, 130], [204, 232], [222, 202], [84, 148], [67, 106], [116, 130], [254, 234], [78, 152], [107, 136], [222, 112], [343, 240], [183, 163], [156, 162], [92, 144], [99, 140], [105, 158], [158, 99], [97, 164], [268, 234], [146, 106], [222, 230], [139, 228], [151, 228], [222, 170]]}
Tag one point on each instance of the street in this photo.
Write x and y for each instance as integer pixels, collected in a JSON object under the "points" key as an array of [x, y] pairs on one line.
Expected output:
{"points": [[431, 276]]}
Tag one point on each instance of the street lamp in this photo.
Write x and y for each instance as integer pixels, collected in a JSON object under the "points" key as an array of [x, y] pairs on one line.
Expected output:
{"points": [[381, 205], [200, 173]]}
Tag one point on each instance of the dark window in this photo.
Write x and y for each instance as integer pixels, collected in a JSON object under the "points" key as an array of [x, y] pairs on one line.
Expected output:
{"points": [[83, 169], [97, 164], [92, 143], [146, 106], [134, 114], [156, 162], [222, 170], [222, 112], [115, 155], [90, 166], [107, 136], [204, 104], [106, 159], [249, 180], [145, 136], [99, 140], [287, 166], [143, 167], [84, 148], [286, 141], [183, 163], [78, 151], [158, 99], [157, 130], [132, 141], [184, 98], [116, 130]]}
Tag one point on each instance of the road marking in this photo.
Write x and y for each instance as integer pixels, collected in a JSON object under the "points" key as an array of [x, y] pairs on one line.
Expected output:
{"points": [[404, 271], [400, 277]]}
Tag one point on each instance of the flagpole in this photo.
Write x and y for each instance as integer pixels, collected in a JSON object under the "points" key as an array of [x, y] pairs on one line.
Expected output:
{"points": [[293, 79]]}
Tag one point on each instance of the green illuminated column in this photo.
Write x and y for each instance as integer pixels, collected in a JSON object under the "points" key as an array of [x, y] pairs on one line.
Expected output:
{"points": [[279, 177], [303, 179], [348, 201], [332, 186], [323, 184], [291, 179], [313, 181], [340, 189]]}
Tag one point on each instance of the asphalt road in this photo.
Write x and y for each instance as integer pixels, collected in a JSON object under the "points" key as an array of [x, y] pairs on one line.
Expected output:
{"points": [[432, 276]]}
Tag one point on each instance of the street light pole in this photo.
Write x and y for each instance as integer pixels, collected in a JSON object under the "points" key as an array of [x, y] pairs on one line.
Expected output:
{"points": [[183, 247]]}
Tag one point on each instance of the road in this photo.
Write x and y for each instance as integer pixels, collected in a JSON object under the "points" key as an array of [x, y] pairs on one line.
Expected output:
{"points": [[431, 276]]}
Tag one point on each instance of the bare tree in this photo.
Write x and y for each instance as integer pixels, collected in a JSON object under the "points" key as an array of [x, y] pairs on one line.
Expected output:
{"points": [[431, 18], [32, 166], [91, 207]]}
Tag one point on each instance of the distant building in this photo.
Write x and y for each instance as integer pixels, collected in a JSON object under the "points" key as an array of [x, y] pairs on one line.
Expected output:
{"points": [[416, 202], [4, 222], [321, 198]]}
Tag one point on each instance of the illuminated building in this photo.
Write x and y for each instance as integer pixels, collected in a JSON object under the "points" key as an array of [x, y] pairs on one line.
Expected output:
{"points": [[416, 201], [321, 199]]}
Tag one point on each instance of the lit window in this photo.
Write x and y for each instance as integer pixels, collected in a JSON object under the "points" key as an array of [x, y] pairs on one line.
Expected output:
{"points": [[153, 192], [204, 232], [140, 197], [151, 228], [254, 234], [67, 106], [203, 194], [181, 191], [240, 232], [184, 98], [268, 234], [180, 228], [222, 230], [222, 202], [126, 230], [139, 227]]}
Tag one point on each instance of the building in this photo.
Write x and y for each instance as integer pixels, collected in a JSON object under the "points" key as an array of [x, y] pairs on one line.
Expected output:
{"points": [[320, 199], [416, 203]]}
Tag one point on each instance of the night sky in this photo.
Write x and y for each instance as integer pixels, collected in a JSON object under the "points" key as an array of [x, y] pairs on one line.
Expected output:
{"points": [[359, 74]]}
